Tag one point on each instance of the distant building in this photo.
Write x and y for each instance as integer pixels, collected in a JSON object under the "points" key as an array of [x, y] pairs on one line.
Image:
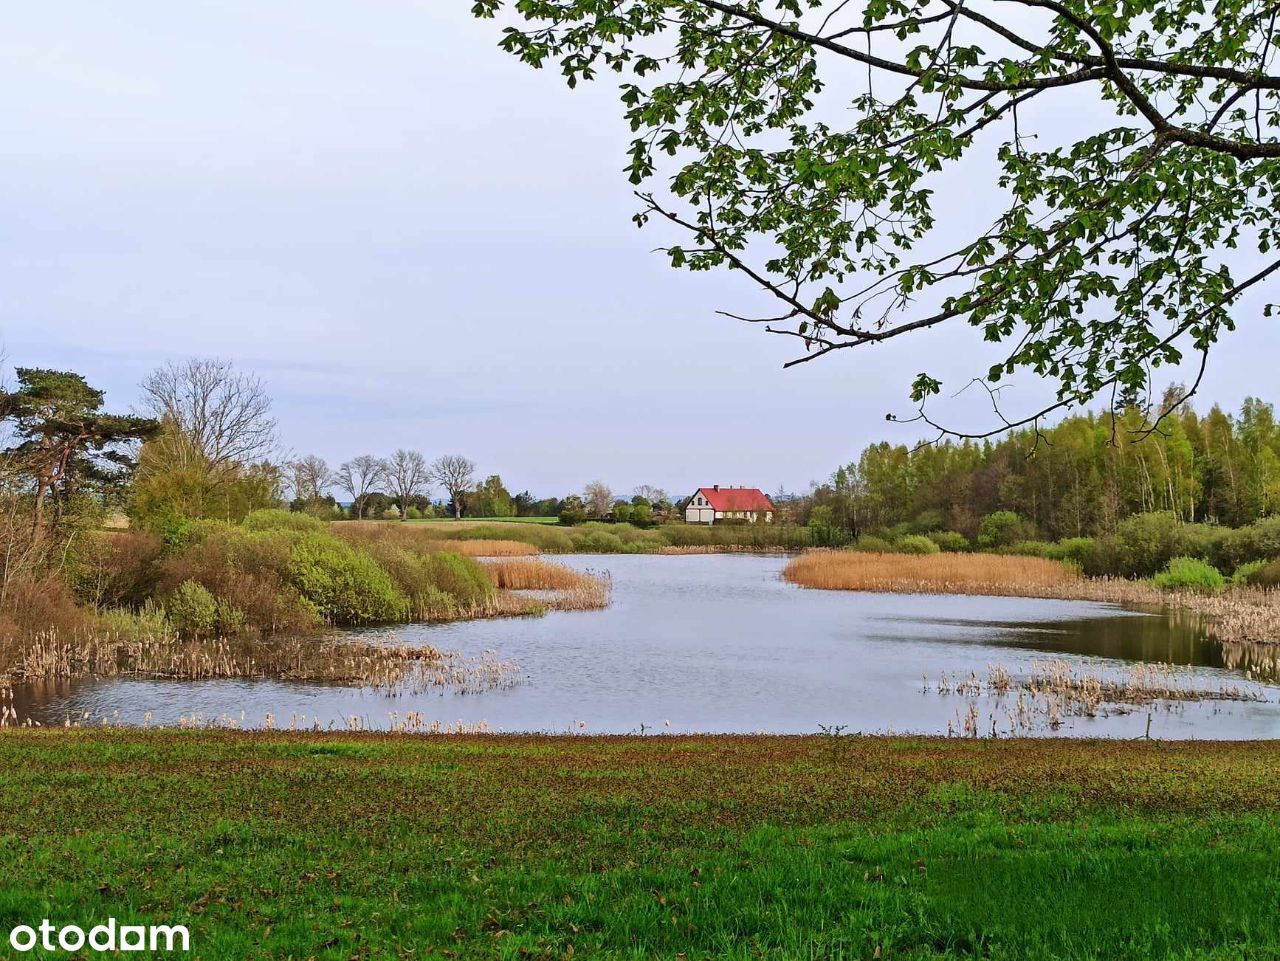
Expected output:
{"points": [[711, 504]]}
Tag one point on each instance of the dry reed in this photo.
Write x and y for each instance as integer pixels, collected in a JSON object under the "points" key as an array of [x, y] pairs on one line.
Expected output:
{"points": [[1238, 616], [335, 659], [929, 573], [553, 586], [1057, 689], [422, 539]]}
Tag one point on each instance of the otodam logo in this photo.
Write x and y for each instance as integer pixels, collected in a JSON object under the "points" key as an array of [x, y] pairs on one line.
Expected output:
{"points": [[108, 936]]}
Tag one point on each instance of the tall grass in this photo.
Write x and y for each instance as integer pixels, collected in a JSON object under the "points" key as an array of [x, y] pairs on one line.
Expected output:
{"points": [[428, 539], [995, 574], [558, 587], [593, 537]]}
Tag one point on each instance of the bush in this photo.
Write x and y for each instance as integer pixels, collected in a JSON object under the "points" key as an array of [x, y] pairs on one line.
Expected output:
{"points": [[1146, 543], [114, 569], [148, 620], [1265, 574], [917, 544], [1257, 542], [598, 542], [249, 571], [1246, 574], [278, 520], [1002, 529], [1080, 551], [1028, 549], [873, 544], [342, 584], [414, 577], [462, 579], [1190, 574], [195, 612], [950, 541]]}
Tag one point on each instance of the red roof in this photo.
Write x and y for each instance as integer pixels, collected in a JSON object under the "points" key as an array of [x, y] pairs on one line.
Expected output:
{"points": [[733, 499]]}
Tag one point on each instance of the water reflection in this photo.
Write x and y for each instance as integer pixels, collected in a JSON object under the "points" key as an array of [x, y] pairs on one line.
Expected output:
{"points": [[1178, 637], [721, 643]]}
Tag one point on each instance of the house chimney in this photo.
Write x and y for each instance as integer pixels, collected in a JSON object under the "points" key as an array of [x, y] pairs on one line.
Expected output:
{"points": [[717, 487]]}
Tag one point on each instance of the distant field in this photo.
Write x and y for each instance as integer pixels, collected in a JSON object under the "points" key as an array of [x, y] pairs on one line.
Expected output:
{"points": [[486, 520], [274, 845]]}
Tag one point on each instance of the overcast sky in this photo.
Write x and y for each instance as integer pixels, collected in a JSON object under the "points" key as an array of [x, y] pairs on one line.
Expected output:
{"points": [[416, 241]]}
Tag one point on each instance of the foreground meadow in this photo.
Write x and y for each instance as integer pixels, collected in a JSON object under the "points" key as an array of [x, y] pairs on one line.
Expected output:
{"points": [[362, 846]]}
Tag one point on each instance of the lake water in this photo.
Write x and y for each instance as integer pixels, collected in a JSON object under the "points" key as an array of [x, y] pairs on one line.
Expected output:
{"points": [[719, 643]]}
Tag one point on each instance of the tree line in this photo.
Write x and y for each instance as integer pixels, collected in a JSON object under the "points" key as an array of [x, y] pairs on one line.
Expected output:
{"points": [[1081, 477]]}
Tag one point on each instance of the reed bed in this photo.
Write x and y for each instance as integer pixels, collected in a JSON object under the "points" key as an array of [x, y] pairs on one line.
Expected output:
{"points": [[1241, 615], [1057, 689], [554, 586], [383, 664], [486, 548], [930, 573], [533, 575], [422, 539]]}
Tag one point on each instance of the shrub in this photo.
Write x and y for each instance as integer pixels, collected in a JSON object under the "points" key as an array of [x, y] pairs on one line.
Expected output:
{"points": [[598, 542], [950, 541], [414, 577], [148, 620], [1246, 573], [1205, 541], [1079, 551], [1259, 541], [873, 544], [278, 520], [247, 570], [1002, 529], [113, 569], [1028, 549], [462, 579], [195, 612], [917, 544], [36, 604], [343, 585], [1190, 574], [1264, 574], [1146, 543]]}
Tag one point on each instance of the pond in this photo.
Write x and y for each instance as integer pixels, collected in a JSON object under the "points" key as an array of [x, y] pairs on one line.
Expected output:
{"points": [[719, 643]]}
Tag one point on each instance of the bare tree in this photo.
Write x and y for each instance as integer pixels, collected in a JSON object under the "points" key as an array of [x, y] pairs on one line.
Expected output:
{"points": [[224, 414], [598, 498], [408, 476], [654, 495], [455, 474], [310, 479], [358, 477]]}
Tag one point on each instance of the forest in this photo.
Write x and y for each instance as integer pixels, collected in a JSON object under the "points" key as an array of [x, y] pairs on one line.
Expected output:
{"points": [[1082, 477]]}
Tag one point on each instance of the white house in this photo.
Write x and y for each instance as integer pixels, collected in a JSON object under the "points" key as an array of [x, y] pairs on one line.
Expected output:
{"points": [[711, 504]]}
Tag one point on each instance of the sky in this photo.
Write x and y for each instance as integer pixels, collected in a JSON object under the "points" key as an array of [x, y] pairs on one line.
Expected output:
{"points": [[416, 242]]}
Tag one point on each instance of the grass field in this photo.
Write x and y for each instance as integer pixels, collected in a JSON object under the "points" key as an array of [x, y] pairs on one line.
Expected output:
{"points": [[343, 846], [485, 520]]}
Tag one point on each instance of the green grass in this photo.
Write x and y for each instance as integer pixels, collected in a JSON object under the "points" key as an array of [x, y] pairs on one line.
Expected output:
{"points": [[368, 846]]}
